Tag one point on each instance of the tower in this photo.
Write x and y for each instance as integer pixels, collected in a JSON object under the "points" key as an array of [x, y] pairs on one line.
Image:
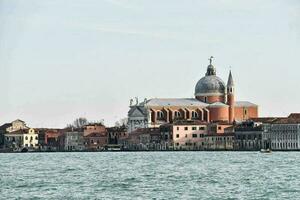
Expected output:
{"points": [[230, 97]]}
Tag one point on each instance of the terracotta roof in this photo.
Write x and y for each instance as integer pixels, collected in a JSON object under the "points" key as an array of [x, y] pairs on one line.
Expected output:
{"points": [[287, 121], [175, 102], [294, 115], [265, 119], [244, 104]]}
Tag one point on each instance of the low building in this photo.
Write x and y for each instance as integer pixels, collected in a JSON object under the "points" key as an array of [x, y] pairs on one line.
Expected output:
{"points": [[248, 136], [143, 139], [184, 135], [96, 141], [221, 142], [93, 128], [116, 133], [16, 125], [284, 133], [23, 138], [73, 141], [220, 136], [51, 139]]}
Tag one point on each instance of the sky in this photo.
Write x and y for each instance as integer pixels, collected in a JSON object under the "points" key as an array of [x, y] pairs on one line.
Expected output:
{"points": [[64, 59]]}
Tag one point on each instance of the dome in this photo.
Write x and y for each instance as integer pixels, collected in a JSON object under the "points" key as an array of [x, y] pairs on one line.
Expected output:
{"points": [[210, 85]]}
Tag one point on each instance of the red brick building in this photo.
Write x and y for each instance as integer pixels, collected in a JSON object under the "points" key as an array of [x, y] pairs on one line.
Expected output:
{"points": [[95, 136]]}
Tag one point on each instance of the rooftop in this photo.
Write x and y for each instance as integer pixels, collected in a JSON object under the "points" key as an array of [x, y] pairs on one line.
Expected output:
{"points": [[175, 102]]}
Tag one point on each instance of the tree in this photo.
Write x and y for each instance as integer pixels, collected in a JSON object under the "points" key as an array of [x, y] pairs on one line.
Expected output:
{"points": [[121, 122], [78, 123]]}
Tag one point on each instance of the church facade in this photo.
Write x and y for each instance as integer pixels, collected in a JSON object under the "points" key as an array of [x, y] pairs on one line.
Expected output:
{"points": [[214, 102]]}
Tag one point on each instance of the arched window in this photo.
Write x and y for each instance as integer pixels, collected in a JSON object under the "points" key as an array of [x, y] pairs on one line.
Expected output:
{"points": [[195, 115], [160, 115], [177, 114]]}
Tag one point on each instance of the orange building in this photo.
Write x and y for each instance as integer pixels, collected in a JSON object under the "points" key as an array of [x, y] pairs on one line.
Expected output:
{"points": [[214, 102]]}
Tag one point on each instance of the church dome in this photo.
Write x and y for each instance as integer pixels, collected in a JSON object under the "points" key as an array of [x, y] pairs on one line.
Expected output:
{"points": [[210, 85]]}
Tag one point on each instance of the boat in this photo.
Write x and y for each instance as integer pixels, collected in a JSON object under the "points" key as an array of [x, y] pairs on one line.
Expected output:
{"points": [[265, 151]]}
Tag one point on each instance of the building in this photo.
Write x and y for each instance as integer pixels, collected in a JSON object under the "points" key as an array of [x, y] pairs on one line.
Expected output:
{"points": [[96, 141], [95, 136], [143, 139], [248, 136], [93, 128], [72, 140], [220, 136], [16, 125], [221, 142], [214, 101], [23, 138], [116, 134], [284, 133], [51, 139], [184, 135]]}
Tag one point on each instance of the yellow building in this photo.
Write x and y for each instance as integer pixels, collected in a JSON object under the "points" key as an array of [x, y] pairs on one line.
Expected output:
{"points": [[24, 138], [30, 139]]}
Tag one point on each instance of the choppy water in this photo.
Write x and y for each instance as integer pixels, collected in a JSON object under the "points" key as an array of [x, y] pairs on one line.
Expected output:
{"points": [[150, 175]]}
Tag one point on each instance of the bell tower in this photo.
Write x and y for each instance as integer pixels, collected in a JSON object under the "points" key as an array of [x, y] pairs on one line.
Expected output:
{"points": [[230, 97]]}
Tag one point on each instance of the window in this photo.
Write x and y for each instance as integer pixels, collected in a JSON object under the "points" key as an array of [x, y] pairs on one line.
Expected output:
{"points": [[219, 127], [195, 115], [177, 128], [186, 135], [160, 115], [194, 128], [202, 128], [194, 135], [177, 144], [186, 128], [26, 138], [177, 135], [177, 114], [245, 112], [205, 99]]}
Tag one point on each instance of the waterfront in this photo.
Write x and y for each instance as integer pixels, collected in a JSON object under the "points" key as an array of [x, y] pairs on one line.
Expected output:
{"points": [[150, 175]]}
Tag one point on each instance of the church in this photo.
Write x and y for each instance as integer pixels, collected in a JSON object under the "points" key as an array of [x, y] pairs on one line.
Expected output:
{"points": [[214, 102]]}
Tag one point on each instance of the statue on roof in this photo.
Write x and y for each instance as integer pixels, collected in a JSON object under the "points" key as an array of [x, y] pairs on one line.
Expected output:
{"points": [[210, 59]]}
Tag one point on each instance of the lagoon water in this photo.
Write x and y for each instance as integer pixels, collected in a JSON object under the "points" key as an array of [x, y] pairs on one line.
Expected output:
{"points": [[150, 175]]}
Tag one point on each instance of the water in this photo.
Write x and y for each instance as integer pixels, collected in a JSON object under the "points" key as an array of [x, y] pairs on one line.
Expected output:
{"points": [[150, 175]]}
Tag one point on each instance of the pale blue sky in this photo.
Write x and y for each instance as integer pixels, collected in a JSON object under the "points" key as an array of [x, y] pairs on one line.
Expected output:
{"points": [[61, 59]]}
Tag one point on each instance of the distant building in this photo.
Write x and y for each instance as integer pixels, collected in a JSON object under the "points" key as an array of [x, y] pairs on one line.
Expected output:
{"points": [[116, 134], [284, 133], [96, 141], [214, 101], [93, 128], [73, 141], [248, 136], [143, 139], [23, 138], [184, 135], [51, 139], [16, 125], [220, 137], [95, 136]]}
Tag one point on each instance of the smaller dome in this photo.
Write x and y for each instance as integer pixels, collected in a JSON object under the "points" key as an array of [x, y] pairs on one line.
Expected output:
{"points": [[217, 105]]}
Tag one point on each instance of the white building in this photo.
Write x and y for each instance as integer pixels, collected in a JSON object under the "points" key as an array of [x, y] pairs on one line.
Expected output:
{"points": [[282, 133], [23, 138]]}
